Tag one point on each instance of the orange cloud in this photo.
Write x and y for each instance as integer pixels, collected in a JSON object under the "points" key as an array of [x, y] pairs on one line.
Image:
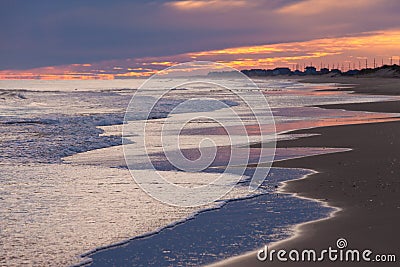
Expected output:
{"points": [[329, 50], [206, 4], [350, 50], [312, 7]]}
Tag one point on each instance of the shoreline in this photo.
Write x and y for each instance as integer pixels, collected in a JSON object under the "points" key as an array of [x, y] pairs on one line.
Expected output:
{"points": [[323, 204], [282, 189], [221, 218], [350, 220], [359, 85]]}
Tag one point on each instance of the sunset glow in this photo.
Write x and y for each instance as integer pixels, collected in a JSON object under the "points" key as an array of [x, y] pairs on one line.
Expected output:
{"points": [[199, 132], [341, 51], [204, 4]]}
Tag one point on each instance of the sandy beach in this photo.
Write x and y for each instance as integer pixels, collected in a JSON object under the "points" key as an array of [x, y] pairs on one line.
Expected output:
{"points": [[362, 183], [362, 85]]}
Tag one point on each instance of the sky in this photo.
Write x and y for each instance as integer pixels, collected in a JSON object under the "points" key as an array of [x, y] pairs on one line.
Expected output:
{"points": [[71, 39]]}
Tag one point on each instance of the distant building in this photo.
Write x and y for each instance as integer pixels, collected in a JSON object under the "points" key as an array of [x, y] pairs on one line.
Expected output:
{"points": [[281, 71], [255, 72], [310, 70], [324, 71], [297, 72], [336, 71], [352, 72]]}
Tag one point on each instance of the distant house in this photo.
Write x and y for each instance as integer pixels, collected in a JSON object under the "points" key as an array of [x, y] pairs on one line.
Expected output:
{"points": [[297, 72], [352, 72], [310, 70], [255, 72], [336, 71], [281, 71], [222, 73], [324, 71]]}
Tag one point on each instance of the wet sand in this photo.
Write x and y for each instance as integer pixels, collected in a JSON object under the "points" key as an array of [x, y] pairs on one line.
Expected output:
{"points": [[363, 85], [363, 183]]}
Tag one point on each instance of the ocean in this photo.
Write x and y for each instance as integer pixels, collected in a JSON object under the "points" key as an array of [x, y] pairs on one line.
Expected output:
{"points": [[68, 198]]}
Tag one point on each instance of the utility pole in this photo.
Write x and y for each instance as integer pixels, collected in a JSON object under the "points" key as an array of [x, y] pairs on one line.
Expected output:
{"points": [[366, 63], [374, 64]]}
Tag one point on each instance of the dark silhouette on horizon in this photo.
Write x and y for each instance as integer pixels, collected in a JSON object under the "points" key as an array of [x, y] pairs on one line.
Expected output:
{"points": [[383, 71]]}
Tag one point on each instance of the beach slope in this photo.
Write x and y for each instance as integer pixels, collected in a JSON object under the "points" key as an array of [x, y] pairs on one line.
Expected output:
{"points": [[363, 183]]}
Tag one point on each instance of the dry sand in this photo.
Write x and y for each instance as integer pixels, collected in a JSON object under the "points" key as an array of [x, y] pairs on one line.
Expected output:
{"points": [[364, 183], [364, 85]]}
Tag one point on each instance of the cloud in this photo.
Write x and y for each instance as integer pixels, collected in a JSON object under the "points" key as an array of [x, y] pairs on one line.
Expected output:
{"points": [[206, 4], [47, 32], [334, 51], [314, 7], [218, 5]]}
